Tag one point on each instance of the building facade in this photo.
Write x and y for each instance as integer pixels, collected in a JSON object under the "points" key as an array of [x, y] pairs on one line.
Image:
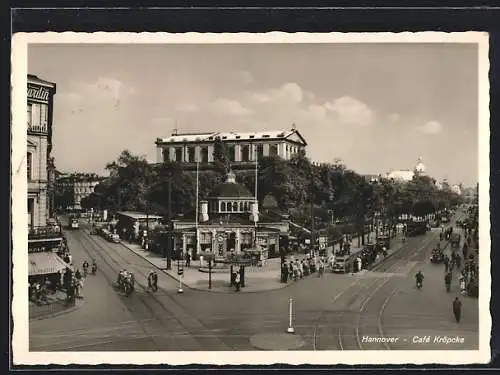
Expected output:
{"points": [[39, 126], [405, 175], [242, 147], [74, 187], [229, 222]]}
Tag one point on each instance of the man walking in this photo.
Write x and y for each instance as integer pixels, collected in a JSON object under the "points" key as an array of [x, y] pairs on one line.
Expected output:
{"points": [[457, 309]]}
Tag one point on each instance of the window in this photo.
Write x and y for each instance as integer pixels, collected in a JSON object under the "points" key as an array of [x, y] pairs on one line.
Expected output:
{"points": [[235, 206], [273, 150], [245, 153], [30, 114], [31, 204], [44, 115], [191, 154], [166, 154], [223, 206], [29, 165], [204, 154], [242, 207], [260, 151], [178, 154], [232, 153], [229, 207]]}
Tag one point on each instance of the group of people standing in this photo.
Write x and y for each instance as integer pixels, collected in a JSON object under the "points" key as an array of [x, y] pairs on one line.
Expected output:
{"points": [[296, 269]]}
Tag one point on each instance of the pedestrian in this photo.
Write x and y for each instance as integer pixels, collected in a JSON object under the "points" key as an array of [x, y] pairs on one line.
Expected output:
{"points": [[458, 260], [446, 262], [321, 268], [463, 289], [188, 258], [285, 273], [457, 309], [237, 281]]}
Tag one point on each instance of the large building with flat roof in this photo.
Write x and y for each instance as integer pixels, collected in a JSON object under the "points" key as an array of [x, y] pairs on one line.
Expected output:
{"points": [[243, 147]]}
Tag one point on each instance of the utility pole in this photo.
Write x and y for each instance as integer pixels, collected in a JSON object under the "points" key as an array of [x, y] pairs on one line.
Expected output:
{"points": [[170, 225], [146, 200]]}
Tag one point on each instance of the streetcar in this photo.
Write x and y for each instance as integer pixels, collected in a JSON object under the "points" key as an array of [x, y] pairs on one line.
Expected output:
{"points": [[73, 223]]}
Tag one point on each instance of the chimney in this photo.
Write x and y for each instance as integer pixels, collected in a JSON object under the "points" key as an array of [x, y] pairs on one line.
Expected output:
{"points": [[254, 216], [203, 211]]}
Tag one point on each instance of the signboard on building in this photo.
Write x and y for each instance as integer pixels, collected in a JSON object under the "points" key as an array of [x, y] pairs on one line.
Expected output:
{"points": [[38, 93]]}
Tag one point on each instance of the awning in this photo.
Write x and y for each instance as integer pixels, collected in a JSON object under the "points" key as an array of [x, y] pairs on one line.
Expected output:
{"points": [[45, 263]]}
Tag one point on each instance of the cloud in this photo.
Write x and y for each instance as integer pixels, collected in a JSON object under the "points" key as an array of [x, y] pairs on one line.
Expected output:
{"points": [[394, 117], [352, 111], [243, 76], [189, 108], [288, 93], [230, 107], [430, 127]]}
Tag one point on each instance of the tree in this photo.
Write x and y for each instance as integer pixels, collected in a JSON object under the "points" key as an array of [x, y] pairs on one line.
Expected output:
{"points": [[221, 156]]}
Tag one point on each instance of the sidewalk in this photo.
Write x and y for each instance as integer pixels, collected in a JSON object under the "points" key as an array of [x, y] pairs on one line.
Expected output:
{"points": [[55, 305], [257, 279]]}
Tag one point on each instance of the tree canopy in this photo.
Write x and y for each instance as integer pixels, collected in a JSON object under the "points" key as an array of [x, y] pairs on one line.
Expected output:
{"points": [[301, 188]]}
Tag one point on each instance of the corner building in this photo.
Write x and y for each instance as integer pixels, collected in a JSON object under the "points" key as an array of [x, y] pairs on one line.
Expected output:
{"points": [[39, 126]]}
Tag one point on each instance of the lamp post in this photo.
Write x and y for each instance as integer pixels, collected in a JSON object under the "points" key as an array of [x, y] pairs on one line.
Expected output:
{"points": [[210, 272]]}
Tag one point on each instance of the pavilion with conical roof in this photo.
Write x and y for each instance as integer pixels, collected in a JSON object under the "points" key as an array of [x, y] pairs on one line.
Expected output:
{"points": [[229, 221]]}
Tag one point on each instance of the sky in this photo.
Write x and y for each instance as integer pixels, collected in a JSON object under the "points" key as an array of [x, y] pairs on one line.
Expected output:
{"points": [[377, 107]]}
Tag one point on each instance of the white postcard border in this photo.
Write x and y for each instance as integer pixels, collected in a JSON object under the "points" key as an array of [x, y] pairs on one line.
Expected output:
{"points": [[20, 346]]}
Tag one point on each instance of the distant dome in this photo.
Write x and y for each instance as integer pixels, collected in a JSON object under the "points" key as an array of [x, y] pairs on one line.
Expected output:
{"points": [[420, 167], [230, 189]]}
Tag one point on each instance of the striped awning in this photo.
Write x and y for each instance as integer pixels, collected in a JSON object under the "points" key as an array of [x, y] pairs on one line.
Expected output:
{"points": [[45, 263]]}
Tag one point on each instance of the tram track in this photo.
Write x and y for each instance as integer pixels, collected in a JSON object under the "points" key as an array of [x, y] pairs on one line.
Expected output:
{"points": [[367, 288], [192, 332]]}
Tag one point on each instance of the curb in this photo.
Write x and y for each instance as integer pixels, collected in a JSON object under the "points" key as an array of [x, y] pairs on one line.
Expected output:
{"points": [[204, 290], [154, 265], [59, 313]]}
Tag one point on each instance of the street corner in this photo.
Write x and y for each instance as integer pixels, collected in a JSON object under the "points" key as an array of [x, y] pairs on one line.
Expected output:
{"points": [[277, 341]]}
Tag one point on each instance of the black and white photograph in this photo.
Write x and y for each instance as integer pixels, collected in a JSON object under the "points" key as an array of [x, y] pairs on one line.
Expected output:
{"points": [[250, 199]]}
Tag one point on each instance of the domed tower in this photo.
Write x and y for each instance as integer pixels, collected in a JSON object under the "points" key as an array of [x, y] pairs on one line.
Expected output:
{"points": [[420, 167], [230, 197]]}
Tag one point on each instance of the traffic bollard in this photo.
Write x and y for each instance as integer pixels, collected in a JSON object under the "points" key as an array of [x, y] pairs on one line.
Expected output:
{"points": [[290, 318]]}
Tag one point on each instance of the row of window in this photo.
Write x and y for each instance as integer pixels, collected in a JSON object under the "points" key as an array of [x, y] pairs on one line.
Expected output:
{"points": [[226, 206], [245, 238], [244, 150], [38, 114]]}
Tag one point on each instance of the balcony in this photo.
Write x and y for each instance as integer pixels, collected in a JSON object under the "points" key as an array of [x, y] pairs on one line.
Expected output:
{"points": [[40, 129], [49, 233]]}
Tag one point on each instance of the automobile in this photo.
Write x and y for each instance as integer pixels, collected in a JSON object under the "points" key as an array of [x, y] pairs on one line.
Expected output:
{"points": [[339, 266], [114, 238], [383, 240]]}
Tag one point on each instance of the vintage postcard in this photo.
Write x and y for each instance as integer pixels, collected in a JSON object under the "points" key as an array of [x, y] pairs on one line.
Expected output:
{"points": [[250, 198]]}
